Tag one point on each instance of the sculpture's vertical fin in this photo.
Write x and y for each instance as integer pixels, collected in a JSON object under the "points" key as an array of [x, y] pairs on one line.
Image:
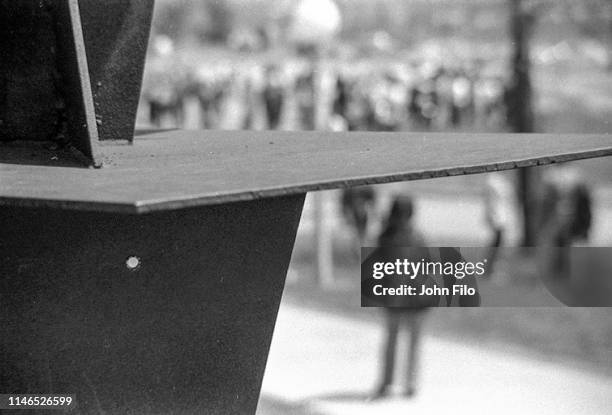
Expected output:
{"points": [[116, 34], [79, 114]]}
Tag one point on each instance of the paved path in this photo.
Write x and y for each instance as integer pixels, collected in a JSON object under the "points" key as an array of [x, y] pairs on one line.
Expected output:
{"points": [[325, 364]]}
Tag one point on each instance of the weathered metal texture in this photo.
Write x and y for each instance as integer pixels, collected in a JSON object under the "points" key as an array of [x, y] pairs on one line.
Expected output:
{"points": [[116, 34], [44, 84], [186, 332], [173, 169]]}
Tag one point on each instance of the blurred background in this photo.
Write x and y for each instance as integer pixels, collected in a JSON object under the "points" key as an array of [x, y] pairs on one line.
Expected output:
{"points": [[482, 66]]}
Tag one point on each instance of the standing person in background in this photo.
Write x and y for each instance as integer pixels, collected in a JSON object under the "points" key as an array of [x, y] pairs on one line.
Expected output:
{"points": [[255, 116], [305, 96], [462, 100], [358, 208], [163, 84], [341, 97], [357, 109], [444, 88], [423, 104], [249, 110], [499, 206], [565, 212], [208, 95], [399, 231], [273, 96], [410, 311], [564, 216]]}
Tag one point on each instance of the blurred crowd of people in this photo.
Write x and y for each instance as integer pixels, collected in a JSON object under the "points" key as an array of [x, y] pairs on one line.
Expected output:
{"points": [[341, 96]]}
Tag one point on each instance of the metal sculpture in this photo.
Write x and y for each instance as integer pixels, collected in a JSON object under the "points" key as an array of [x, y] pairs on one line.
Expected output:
{"points": [[143, 271]]}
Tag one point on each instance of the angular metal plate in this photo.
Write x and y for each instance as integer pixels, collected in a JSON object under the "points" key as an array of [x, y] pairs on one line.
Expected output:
{"points": [[116, 34], [174, 169], [186, 331], [75, 82]]}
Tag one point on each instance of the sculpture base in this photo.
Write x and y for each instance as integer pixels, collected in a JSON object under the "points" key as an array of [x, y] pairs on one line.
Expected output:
{"points": [[169, 312]]}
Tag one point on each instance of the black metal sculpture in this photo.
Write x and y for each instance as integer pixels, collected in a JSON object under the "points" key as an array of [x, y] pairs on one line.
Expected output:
{"points": [[150, 284]]}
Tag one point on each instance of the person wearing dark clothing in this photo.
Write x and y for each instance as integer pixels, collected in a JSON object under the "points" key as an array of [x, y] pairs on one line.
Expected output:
{"points": [[274, 98], [409, 312], [340, 106], [306, 97], [565, 216], [357, 205], [400, 232]]}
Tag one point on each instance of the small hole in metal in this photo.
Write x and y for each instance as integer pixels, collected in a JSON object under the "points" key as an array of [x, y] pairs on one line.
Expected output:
{"points": [[132, 263]]}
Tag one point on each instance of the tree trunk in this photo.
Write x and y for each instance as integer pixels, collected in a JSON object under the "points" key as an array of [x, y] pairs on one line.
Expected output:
{"points": [[520, 110]]}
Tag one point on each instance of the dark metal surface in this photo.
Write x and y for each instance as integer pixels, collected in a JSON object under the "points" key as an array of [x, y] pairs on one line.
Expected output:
{"points": [[174, 169], [28, 75], [54, 55], [186, 332], [45, 90], [116, 34]]}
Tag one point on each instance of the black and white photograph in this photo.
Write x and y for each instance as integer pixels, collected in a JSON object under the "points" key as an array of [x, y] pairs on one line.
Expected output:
{"points": [[306, 207]]}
